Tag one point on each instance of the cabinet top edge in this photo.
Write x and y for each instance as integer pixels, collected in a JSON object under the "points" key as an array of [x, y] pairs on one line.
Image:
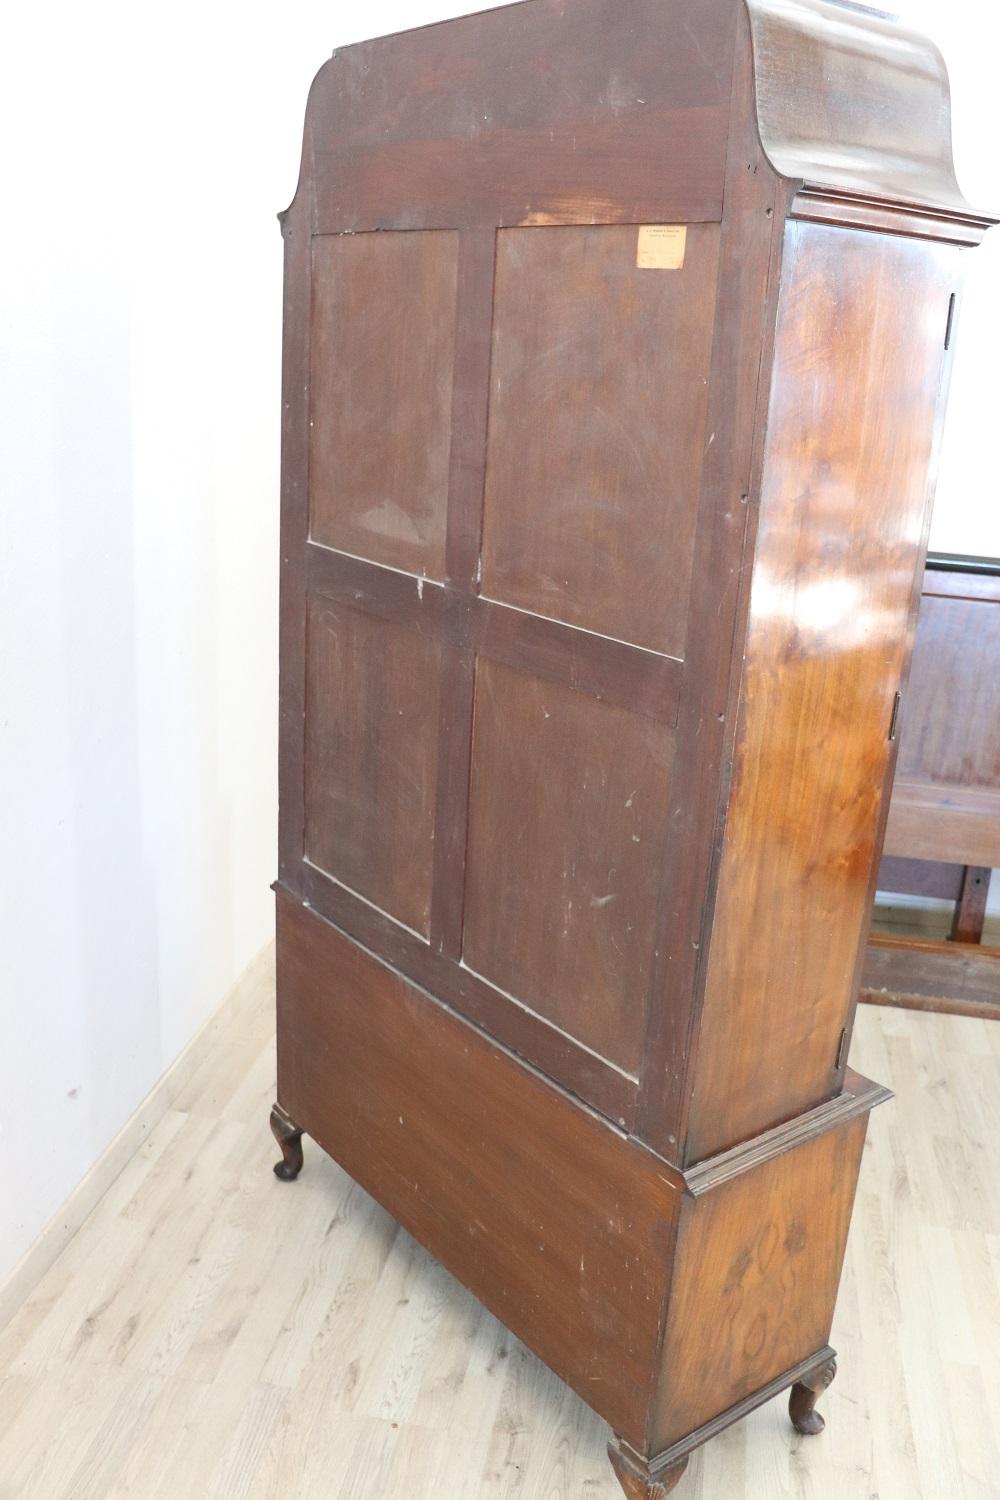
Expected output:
{"points": [[854, 106]]}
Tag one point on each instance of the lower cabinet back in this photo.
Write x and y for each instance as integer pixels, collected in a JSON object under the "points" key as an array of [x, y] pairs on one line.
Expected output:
{"points": [[664, 1299]]}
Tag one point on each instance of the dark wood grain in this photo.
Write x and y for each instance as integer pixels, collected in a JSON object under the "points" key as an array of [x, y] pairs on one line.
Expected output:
{"points": [[646, 682], [383, 342], [466, 476], [636, 1478], [596, 411], [294, 530], [438, 1124], [470, 405], [567, 820], [289, 1138], [591, 1078], [803, 1397], [553, 113], [970, 912], [371, 773], [667, 1463]]}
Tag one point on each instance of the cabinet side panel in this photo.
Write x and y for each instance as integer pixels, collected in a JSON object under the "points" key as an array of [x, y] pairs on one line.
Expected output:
{"points": [[757, 1269], [853, 421], [562, 1226]]}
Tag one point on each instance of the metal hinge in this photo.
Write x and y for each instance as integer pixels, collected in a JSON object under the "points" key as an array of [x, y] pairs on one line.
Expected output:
{"points": [[841, 1048], [951, 320], [894, 721]]}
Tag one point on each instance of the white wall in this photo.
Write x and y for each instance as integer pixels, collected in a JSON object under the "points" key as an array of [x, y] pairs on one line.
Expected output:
{"points": [[146, 152]]}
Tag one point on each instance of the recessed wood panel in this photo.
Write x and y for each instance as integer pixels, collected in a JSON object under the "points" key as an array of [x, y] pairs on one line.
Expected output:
{"points": [[383, 344], [372, 693], [843, 513], [567, 828], [597, 428]]}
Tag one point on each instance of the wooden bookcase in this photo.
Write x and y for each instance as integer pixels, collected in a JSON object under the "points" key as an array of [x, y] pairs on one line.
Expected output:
{"points": [[616, 340]]}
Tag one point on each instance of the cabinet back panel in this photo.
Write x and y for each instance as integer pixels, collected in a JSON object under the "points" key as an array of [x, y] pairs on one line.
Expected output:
{"points": [[371, 757], [383, 341], [567, 825], [585, 113], [495, 437], [597, 428], [852, 431]]}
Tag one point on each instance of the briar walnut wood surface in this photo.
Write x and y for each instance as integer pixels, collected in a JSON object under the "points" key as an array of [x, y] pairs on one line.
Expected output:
{"points": [[599, 576]]}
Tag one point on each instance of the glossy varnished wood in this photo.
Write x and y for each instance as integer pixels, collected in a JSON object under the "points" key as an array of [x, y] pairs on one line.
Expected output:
{"points": [[750, 258], [758, 1267], [843, 514], [820, 66]]}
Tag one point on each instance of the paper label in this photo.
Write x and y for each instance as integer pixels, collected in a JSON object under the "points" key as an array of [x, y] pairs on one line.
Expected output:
{"points": [[661, 247]]}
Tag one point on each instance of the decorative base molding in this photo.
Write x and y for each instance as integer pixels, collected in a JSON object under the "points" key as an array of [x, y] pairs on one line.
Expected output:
{"points": [[61, 1228], [650, 1479]]}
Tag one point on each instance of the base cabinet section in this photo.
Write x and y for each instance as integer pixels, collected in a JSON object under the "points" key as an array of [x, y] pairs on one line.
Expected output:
{"points": [[673, 1302]]}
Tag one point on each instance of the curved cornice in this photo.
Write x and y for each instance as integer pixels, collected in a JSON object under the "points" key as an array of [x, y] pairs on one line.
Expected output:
{"points": [[855, 107]]}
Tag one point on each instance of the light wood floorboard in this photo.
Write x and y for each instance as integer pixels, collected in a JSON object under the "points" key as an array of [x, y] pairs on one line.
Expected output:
{"points": [[213, 1334]]}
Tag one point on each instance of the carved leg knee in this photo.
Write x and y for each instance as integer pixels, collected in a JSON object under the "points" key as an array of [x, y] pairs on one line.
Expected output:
{"points": [[804, 1395], [639, 1481], [289, 1138]]}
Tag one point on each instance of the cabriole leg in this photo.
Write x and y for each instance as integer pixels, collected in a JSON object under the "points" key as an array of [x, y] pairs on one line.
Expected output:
{"points": [[803, 1397], [638, 1481], [289, 1138]]}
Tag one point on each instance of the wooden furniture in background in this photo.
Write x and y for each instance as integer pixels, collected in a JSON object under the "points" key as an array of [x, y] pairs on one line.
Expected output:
{"points": [[943, 834], [609, 434]]}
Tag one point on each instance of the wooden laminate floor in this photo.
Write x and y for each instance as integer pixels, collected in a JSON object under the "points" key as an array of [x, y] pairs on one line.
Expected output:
{"points": [[213, 1334]]}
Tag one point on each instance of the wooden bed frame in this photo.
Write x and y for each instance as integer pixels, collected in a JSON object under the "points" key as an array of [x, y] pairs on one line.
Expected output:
{"points": [[943, 834]]}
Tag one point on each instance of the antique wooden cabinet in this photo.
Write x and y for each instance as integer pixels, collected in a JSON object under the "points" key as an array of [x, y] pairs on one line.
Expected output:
{"points": [[616, 338]]}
